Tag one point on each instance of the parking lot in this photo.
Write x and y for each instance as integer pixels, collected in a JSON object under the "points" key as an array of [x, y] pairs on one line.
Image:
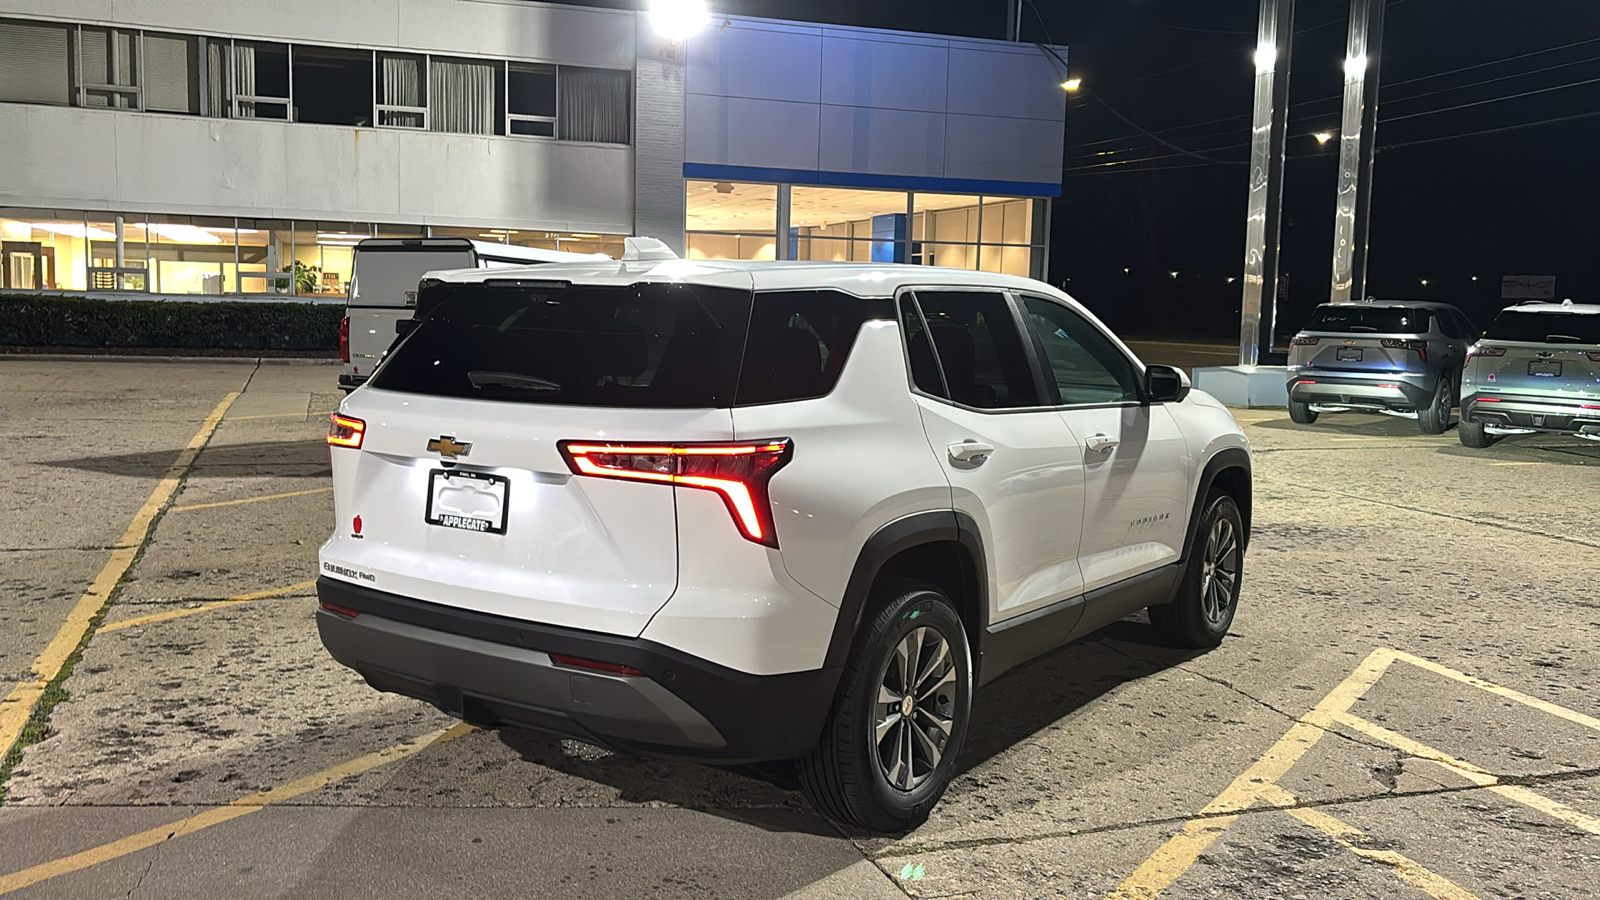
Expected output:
{"points": [[1408, 705]]}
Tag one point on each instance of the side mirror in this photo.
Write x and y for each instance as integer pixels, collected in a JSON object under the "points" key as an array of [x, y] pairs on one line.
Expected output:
{"points": [[1164, 384], [405, 327]]}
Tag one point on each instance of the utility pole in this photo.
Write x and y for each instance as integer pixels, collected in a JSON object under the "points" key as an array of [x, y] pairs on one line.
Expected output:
{"points": [[1014, 19], [1357, 146], [1268, 129]]}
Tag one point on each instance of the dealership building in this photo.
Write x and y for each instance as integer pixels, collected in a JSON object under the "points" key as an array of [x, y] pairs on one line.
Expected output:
{"points": [[183, 147]]}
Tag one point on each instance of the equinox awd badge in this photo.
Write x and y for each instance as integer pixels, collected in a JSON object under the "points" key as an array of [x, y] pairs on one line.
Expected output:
{"points": [[447, 447]]}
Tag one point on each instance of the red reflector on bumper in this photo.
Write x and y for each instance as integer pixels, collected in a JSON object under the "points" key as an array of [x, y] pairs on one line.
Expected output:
{"points": [[580, 663], [340, 610]]}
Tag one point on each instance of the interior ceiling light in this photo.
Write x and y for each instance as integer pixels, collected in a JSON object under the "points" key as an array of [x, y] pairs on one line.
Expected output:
{"points": [[724, 187]]}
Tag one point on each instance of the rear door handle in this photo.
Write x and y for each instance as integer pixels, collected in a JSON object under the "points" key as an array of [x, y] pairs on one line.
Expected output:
{"points": [[971, 451], [1101, 443]]}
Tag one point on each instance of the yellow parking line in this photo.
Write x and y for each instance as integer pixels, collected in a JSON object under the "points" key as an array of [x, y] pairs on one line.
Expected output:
{"points": [[1353, 839], [18, 705], [1573, 716], [1516, 464], [1168, 863], [207, 607], [216, 816], [321, 490], [1480, 777]]}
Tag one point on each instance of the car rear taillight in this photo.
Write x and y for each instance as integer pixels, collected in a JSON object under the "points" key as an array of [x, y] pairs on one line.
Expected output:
{"points": [[1304, 342], [739, 472], [344, 339], [344, 431], [1482, 351], [1420, 346]]}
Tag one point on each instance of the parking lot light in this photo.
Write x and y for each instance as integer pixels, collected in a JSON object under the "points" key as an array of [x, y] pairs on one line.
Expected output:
{"points": [[676, 20]]}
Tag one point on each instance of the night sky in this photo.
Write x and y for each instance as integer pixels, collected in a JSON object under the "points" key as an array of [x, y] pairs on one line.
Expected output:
{"points": [[1447, 205]]}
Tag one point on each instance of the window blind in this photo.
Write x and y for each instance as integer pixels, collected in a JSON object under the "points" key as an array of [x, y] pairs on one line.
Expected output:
{"points": [[34, 63]]}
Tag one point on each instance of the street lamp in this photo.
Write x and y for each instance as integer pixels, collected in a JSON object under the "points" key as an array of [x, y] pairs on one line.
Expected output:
{"points": [[1071, 84], [1323, 137], [676, 20]]}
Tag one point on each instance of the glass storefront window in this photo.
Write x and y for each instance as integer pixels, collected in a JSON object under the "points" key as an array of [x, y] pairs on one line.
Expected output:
{"points": [[42, 249], [265, 251], [189, 254], [846, 225], [732, 246], [324, 256], [731, 208]]}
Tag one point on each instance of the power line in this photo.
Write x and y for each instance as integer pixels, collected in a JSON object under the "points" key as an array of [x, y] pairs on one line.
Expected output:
{"points": [[1474, 84], [1434, 112], [1517, 127], [1388, 85], [1162, 141]]}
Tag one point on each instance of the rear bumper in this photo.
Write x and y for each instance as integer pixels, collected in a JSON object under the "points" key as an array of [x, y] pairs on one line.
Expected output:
{"points": [[1396, 392], [497, 671], [350, 382], [1532, 414]]}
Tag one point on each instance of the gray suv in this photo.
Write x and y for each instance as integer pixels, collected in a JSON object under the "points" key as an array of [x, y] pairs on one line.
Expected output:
{"points": [[1536, 369], [1397, 357]]}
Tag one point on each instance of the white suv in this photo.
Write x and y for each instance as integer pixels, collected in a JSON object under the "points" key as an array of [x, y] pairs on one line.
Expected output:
{"points": [[754, 511]]}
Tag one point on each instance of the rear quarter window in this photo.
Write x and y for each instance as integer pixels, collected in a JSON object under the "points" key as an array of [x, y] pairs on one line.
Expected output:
{"points": [[799, 341]]}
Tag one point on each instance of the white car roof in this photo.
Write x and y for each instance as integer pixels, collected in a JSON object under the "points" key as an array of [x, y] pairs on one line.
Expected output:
{"points": [[1592, 309], [866, 280]]}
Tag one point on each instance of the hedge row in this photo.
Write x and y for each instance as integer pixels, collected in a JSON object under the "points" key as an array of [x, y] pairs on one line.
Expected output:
{"points": [[88, 322]]}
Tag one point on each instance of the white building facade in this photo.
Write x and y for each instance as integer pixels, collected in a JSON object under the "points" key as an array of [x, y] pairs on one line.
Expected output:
{"points": [[179, 147]]}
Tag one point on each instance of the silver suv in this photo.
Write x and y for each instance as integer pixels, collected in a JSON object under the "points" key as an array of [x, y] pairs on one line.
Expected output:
{"points": [[1397, 357], [1536, 369]]}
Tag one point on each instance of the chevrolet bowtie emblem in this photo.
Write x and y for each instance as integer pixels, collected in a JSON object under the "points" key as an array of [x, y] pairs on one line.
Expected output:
{"points": [[446, 446]]}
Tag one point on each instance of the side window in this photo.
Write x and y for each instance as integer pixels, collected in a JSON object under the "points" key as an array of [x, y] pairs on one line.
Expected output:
{"points": [[798, 344], [976, 350], [1450, 324], [1086, 365]]}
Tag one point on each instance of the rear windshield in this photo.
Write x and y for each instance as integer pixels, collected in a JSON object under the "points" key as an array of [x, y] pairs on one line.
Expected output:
{"points": [[385, 276], [1370, 320], [663, 346], [1545, 327]]}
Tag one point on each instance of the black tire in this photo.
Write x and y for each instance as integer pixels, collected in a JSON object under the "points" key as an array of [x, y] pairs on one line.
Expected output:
{"points": [[1436, 418], [1473, 435], [1301, 413], [846, 777], [1198, 618]]}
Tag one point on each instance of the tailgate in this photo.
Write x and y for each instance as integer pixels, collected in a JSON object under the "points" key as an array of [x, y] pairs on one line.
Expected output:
{"points": [[507, 529]]}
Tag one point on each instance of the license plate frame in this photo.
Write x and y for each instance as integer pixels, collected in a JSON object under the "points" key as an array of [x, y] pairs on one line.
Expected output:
{"points": [[1544, 368], [496, 486], [1349, 354]]}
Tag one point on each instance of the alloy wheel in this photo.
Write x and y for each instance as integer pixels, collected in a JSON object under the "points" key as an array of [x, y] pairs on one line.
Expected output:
{"points": [[1219, 571], [914, 713]]}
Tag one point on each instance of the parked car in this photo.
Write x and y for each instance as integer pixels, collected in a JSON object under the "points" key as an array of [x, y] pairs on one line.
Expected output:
{"points": [[1536, 369], [756, 511], [383, 288], [1396, 357]]}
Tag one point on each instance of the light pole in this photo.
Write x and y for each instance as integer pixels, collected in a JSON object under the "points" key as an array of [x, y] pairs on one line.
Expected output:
{"points": [[1268, 133]]}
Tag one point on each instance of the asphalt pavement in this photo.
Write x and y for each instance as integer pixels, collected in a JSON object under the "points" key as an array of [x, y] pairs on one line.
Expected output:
{"points": [[1407, 704]]}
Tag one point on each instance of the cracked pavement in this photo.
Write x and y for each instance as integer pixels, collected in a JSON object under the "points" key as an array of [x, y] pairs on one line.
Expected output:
{"points": [[1078, 767]]}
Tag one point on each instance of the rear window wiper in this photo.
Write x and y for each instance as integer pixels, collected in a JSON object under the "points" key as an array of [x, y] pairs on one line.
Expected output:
{"points": [[1362, 328], [1571, 338], [484, 377]]}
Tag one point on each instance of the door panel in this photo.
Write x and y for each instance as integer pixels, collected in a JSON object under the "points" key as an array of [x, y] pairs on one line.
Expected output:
{"points": [[1135, 461], [1012, 464], [1135, 491]]}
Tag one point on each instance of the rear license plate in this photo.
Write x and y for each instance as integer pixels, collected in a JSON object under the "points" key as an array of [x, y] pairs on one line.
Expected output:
{"points": [[1349, 354], [1544, 368], [471, 501]]}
